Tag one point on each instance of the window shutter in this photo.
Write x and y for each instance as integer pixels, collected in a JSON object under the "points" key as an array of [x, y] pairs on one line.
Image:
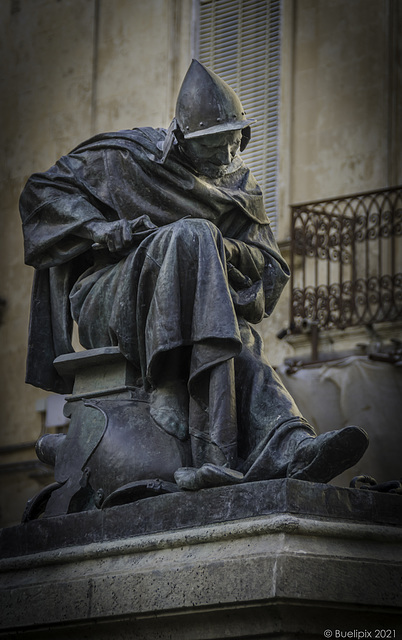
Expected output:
{"points": [[240, 41]]}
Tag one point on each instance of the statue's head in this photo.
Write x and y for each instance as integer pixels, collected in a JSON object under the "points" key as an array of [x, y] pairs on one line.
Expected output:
{"points": [[210, 123]]}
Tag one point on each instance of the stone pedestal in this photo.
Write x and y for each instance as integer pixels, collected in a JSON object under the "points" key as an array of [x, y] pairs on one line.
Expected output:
{"points": [[279, 559]]}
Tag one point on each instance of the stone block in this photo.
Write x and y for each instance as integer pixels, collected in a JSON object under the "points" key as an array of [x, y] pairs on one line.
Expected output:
{"points": [[279, 559], [91, 375]]}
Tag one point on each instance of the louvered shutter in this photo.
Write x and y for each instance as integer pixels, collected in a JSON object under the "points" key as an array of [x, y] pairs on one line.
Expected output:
{"points": [[240, 41]]}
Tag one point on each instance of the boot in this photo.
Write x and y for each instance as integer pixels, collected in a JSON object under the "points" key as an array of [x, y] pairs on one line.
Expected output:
{"points": [[322, 458]]}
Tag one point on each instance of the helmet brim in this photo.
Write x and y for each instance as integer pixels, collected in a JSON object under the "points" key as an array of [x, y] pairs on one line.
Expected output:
{"points": [[220, 128]]}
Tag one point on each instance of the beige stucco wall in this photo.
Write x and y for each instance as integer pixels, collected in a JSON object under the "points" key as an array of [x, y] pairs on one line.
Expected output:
{"points": [[46, 78], [341, 99], [72, 68]]}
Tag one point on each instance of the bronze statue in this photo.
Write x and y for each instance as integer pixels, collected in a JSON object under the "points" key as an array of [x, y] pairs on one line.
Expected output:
{"points": [[157, 242]]}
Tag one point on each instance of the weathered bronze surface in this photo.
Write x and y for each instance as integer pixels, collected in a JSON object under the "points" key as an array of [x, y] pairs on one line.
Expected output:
{"points": [[157, 242]]}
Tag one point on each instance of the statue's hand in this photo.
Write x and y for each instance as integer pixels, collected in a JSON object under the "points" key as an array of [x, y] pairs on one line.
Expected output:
{"points": [[247, 260], [237, 279], [231, 251], [120, 236]]}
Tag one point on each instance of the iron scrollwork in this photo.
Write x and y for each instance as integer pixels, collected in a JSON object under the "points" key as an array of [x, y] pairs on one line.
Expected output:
{"points": [[351, 262]]}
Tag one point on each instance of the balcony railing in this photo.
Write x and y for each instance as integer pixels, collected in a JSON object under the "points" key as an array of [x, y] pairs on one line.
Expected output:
{"points": [[347, 260]]}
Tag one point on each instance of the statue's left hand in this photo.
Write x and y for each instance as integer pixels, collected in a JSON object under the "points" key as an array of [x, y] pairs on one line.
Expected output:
{"points": [[231, 251], [237, 279]]}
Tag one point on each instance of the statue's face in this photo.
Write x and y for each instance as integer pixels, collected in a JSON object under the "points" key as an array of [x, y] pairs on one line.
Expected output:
{"points": [[212, 154]]}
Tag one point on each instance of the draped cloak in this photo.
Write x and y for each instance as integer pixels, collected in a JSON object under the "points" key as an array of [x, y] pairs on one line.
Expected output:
{"points": [[118, 175]]}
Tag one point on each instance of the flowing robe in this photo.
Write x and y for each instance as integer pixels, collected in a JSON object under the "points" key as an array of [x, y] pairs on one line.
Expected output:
{"points": [[173, 289]]}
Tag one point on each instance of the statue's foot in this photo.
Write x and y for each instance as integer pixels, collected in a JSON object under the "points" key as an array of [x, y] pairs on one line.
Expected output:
{"points": [[322, 458], [169, 408], [209, 475]]}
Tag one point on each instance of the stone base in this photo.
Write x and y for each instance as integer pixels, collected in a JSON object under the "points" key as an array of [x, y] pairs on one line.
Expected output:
{"points": [[278, 559]]}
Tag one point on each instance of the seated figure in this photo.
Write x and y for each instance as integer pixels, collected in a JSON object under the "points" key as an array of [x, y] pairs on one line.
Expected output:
{"points": [[157, 242]]}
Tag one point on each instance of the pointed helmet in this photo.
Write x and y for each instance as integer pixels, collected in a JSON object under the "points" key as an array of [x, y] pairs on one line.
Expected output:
{"points": [[207, 105]]}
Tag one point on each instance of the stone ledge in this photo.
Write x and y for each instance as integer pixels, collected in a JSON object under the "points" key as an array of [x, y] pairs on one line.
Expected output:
{"points": [[70, 363], [280, 559], [222, 532], [280, 576], [186, 510]]}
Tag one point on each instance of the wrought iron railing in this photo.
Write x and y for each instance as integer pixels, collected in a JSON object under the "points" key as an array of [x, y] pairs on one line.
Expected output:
{"points": [[346, 260]]}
